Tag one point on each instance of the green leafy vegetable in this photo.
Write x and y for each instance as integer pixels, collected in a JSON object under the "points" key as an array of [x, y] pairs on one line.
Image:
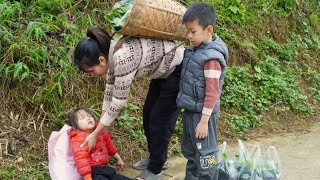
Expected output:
{"points": [[119, 14]]}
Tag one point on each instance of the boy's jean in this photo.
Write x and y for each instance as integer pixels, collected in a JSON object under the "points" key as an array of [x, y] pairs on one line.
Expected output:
{"points": [[201, 153]]}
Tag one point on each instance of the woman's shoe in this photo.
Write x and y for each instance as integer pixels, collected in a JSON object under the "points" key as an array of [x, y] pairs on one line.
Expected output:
{"points": [[143, 164], [147, 175]]}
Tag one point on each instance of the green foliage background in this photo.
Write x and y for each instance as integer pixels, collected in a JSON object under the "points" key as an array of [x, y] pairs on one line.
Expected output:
{"points": [[275, 62]]}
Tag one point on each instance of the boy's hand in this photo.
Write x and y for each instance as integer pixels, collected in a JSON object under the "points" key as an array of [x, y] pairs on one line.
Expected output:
{"points": [[202, 127]]}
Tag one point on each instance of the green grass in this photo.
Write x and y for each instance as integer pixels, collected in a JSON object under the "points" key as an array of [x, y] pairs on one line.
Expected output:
{"points": [[274, 46], [15, 172]]}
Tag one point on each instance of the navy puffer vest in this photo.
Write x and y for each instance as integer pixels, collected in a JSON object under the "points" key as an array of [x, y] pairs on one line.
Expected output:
{"points": [[192, 84]]}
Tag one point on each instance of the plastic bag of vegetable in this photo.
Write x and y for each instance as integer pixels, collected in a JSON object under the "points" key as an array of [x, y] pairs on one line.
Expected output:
{"points": [[248, 165], [251, 168], [271, 165], [228, 164]]}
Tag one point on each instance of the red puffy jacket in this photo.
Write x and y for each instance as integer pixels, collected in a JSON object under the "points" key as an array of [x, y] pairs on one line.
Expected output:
{"points": [[97, 157]]}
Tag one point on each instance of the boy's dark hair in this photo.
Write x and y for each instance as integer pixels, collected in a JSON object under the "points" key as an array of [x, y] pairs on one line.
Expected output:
{"points": [[201, 12], [87, 51], [73, 120]]}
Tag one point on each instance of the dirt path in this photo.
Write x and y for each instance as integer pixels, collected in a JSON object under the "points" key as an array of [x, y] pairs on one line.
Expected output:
{"points": [[299, 155]]}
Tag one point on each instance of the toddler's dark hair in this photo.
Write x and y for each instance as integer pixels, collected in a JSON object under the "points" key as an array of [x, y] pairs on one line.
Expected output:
{"points": [[201, 12], [73, 120]]}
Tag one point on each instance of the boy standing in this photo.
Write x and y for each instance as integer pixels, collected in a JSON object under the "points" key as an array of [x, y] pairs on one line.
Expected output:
{"points": [[202, 76]]}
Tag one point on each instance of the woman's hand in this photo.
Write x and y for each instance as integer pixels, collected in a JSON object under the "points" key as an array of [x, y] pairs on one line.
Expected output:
{"points": [[90, 140]]}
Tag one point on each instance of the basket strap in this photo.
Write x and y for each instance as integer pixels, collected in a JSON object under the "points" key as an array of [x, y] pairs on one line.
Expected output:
{"points": [[119, 43], [173, 49]]}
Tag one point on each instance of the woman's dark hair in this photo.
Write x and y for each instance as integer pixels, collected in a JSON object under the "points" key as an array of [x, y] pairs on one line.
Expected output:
{"points": [[202, 12], [73, 119], [88, 50]]}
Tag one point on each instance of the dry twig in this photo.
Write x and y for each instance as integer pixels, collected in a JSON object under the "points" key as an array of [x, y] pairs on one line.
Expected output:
{"points": [[5, 142]]}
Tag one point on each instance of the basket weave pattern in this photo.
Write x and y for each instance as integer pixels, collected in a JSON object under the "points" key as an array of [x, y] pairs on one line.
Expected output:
{"points": [[159, 19]]}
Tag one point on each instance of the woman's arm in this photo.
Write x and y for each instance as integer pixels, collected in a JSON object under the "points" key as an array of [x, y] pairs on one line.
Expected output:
{"points": [[119, 80], [109, 90], [91, 139], [120, 95]]}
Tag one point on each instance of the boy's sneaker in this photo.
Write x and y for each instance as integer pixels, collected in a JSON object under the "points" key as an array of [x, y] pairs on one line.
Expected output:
{"points": [[147, 175], [143, 164]]}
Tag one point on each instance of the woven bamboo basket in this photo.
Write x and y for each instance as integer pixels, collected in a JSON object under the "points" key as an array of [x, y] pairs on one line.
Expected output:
{"points": [[159, 19]]}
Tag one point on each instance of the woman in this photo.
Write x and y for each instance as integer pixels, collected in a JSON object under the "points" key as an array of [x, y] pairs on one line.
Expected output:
{"points": [[122, 61]]}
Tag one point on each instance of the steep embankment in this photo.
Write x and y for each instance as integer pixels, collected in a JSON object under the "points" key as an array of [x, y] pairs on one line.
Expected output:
{"points": [[273, 77]]}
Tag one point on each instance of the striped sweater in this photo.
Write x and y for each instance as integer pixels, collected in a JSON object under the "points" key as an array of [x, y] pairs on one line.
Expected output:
{"points": [[212, 72], [138, 57]]}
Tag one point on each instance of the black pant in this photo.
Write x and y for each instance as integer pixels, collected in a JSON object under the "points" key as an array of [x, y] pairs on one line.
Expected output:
{"points": [[160, 113], [106, 173]]}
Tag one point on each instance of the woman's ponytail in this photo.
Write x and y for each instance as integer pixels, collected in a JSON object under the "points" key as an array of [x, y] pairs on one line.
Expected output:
{"points": [[88, 50], [101, 36]]}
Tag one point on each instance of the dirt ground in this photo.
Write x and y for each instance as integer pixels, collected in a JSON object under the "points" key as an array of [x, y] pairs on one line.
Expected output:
{"points": [[299, 155]]}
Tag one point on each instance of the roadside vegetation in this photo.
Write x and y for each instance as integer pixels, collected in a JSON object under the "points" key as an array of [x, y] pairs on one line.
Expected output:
{"points": [[274, 66]]}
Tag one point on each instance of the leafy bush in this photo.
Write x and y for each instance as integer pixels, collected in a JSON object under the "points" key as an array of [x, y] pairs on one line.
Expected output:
{"points": [[239, 99], [36, 39], [248, 93], [313, 77], [37, 75], [130, 121]]}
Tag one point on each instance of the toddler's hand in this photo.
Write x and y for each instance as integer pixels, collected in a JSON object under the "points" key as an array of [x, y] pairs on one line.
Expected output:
{"points": [[120, 164]]}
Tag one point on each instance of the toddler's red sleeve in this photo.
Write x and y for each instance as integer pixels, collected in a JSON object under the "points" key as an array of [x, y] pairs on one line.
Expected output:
{"points": [[112, 150], [81, 154]]}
